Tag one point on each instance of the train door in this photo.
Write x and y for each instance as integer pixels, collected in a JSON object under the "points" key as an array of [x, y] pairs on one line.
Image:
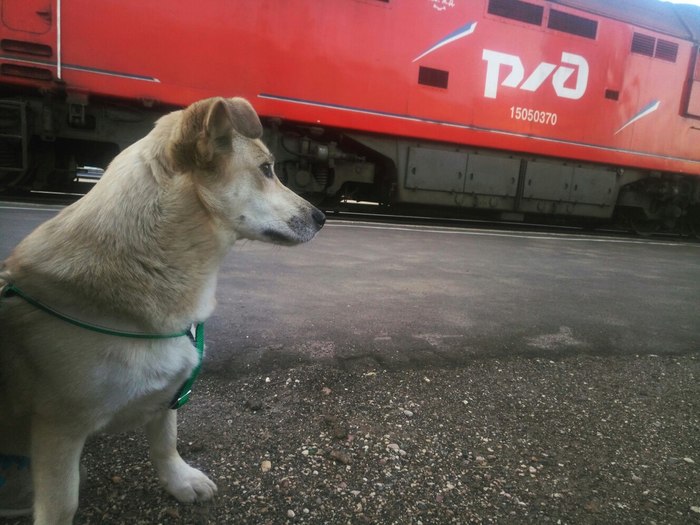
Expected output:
{"points": [[30, 16], [693, 104], [28, 37]]}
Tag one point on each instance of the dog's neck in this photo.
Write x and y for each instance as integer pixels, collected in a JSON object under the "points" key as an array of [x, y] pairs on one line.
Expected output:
{"points": [[147, 248]]}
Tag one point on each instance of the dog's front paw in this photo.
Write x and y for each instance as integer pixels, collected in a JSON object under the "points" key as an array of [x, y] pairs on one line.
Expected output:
{"points": [[188, 484]]}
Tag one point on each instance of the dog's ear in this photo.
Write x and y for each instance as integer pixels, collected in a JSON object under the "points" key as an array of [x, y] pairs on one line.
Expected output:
{"points": [[232, 113], [207, 130], [244, 118]]}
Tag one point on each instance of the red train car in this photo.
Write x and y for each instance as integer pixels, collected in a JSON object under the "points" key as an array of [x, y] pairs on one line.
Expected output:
{"points": [[580, 108]]}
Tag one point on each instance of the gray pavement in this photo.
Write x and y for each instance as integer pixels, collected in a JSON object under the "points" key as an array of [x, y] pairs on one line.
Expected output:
{"points": [[399, 295]]}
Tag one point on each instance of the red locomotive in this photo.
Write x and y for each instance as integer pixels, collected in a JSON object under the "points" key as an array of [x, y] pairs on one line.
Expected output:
{"points": [[574, 108]]}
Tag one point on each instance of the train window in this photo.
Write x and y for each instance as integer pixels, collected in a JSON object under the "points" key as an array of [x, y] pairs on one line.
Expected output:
{"points": [[573, 24], [643, 44], [666, 50], [433, 77], [517, 10]]}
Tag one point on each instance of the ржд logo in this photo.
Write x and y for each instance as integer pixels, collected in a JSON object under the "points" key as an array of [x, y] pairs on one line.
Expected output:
{"points": [[562, 73]]}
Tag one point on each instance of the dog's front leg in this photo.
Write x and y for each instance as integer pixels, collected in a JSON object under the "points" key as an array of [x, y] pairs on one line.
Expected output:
{"points": [[187, 484], [55, 456]]}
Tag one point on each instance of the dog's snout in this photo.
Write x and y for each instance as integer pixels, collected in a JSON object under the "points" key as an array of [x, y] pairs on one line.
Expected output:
{"points": [[319, 217]]}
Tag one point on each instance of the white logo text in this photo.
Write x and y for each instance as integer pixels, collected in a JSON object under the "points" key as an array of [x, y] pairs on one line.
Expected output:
{"points": [[570, 64]]}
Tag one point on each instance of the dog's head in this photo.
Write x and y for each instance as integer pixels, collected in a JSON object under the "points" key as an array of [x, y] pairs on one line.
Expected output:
{"points": [[218, 143]]}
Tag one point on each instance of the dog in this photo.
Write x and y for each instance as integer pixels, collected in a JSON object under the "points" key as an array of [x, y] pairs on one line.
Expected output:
{"points": [[138, 254]]}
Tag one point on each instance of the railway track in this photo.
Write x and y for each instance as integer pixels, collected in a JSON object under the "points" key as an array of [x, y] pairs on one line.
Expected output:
{"points": [[367, 212]]}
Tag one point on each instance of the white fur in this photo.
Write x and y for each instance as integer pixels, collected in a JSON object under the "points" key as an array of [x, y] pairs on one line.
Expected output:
{"points": [[140, 252]]}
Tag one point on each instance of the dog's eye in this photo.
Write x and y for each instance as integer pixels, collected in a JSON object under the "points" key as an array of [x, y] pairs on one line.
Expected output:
{"points": [[266, 169]]}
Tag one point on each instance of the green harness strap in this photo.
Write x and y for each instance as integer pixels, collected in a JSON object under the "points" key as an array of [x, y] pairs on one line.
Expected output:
{"points": [[183, 394]]}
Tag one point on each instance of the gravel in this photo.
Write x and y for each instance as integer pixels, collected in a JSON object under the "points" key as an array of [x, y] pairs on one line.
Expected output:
{"points": [[580, 439]]}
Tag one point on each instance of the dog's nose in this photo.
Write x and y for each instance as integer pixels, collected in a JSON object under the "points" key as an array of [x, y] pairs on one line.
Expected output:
{"points": [[319, 217]]}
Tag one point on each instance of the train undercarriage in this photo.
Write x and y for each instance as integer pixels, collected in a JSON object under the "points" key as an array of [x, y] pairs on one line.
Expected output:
{"points": [[54, 145]]}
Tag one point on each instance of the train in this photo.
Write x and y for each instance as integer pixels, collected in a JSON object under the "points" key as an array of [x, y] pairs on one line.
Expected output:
{"points": [[557, 110]]}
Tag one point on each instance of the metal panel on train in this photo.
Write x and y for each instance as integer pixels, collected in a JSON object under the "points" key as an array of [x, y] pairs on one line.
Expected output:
{"points": [[457, 172], [489, 175], [558, 107]]}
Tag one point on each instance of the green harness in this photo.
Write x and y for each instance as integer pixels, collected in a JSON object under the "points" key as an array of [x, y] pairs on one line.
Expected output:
{"points": [[183, 394]]}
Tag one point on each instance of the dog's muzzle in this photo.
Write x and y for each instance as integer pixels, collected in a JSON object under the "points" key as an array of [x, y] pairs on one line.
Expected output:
{"points": [[319, 218]]}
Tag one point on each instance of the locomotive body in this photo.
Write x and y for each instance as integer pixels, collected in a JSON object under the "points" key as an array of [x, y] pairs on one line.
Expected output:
{"points": [[558, 108]]}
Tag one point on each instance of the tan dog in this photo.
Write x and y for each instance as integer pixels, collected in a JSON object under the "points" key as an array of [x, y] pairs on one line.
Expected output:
{"points": [[139, 253]]}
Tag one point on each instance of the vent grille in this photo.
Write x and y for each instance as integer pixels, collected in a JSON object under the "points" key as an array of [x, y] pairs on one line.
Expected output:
{"points": [[15, 70], [643, 44], [30, 48], [10, 120], [666, 50], [612, 94], [649, 46], [576, 25], [517, 10], [433, 77]]}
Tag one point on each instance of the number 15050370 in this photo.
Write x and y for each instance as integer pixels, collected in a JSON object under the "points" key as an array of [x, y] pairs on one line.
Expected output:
{"points": [[533, 115]]}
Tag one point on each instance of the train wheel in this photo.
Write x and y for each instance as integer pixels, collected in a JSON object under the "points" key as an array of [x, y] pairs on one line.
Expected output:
{"points": [[640, 224], [693, 221]]}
